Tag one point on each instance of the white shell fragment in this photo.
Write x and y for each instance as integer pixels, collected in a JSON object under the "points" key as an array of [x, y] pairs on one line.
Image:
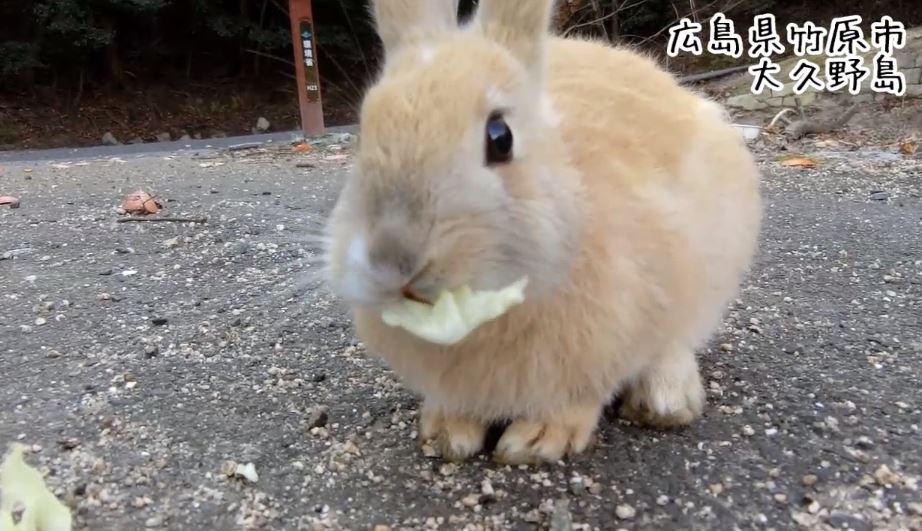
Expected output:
{"points": [[455, 314], [247, 471]]}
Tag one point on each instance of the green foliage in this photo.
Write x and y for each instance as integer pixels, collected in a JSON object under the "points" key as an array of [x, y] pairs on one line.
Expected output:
{"points": [[17, 58], [71, 22], [65, 43]]}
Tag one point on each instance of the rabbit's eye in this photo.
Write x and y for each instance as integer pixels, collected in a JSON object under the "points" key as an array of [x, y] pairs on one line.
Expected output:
{"points": [[499, 140]]}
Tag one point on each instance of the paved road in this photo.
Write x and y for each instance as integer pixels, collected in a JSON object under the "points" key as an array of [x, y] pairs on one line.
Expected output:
{"points": [[137, 358], [158, 148]]}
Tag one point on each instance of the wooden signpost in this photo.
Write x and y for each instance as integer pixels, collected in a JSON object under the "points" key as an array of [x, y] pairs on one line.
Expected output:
{"points": [[304, 40]]}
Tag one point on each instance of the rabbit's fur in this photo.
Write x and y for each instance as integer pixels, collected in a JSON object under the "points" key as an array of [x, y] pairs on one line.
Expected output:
{"points": [[630, 203]]}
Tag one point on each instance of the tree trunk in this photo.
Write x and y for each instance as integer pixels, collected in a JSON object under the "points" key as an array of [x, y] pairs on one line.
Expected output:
{"points": [[614, 23], [38, 42], [244, 58], [113, 57]]}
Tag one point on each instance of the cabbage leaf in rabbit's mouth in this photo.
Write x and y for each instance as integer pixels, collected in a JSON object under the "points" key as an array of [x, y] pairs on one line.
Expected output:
{"points": [[455, 314]]}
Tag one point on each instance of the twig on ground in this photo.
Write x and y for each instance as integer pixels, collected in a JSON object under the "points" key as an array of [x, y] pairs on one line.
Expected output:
{"points": [[704, 76], [779, 116], [244, 146], [165, 219], [800, 108], [807, 126]]}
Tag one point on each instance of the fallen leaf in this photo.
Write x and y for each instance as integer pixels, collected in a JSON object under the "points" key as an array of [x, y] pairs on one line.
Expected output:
{"points": [[9, 200], [302, 148], [799, 162], [828, 143], [140, 203], [908, 148]]}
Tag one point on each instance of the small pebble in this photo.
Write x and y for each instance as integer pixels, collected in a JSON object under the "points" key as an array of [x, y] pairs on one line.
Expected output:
{"points": [[69, 443], [317, 417], [486, 488], [809, 480], [886, 477], [140, 502], [228, 468], [625, 512], [471, 500]]}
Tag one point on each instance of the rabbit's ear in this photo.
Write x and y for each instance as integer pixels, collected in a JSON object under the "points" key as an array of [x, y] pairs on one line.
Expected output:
{"points": [[399, 22], [522, 26]]}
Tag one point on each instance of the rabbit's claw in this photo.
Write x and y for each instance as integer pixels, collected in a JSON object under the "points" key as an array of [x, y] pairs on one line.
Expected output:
{"points": [[455, 437], [532, 441]]}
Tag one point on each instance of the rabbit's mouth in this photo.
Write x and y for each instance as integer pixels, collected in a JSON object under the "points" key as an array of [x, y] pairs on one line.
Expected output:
{"points": [[408, 293]]}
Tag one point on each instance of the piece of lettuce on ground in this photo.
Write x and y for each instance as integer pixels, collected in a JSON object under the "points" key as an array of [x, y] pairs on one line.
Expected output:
{"points": [[22, 488]]}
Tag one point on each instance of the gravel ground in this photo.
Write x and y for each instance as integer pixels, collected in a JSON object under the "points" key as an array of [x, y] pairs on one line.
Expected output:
{"points": [[140, 361]]}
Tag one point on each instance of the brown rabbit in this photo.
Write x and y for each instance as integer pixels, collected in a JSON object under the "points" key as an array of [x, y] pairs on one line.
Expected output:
{"points": [[496, 151]]}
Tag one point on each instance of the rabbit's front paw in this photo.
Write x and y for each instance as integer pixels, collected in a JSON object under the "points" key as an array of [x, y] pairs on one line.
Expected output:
{"points": [[532, 441], [455, 437], [668, 394]]}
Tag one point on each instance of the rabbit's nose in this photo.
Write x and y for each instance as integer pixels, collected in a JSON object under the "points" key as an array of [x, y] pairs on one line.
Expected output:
{"points": [[392, 261]]}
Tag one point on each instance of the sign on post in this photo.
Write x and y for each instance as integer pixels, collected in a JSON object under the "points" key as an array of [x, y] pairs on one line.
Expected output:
{"points": [[304, 39]]}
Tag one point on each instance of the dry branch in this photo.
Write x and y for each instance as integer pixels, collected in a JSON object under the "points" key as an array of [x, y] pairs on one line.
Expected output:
{"points": [[704, 76], [170, 220], [808, 126]]}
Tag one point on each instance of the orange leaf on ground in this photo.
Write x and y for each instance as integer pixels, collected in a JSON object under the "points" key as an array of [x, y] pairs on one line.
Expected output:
{"points": [[140, 203], [908, 148], [798, 162], [302, 148]]}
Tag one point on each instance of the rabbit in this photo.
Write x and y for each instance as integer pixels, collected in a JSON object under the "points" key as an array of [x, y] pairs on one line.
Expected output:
{"points": [[493, 149]]}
